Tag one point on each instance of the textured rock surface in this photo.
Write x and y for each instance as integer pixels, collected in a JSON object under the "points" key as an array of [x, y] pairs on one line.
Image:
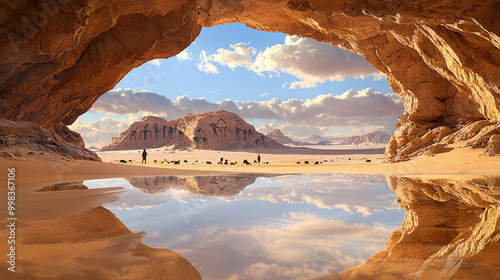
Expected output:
{"points": [[451, 231], [279, 137], [219, 186], [442, 57], [221, 130], [376, 137], [59, 139]]}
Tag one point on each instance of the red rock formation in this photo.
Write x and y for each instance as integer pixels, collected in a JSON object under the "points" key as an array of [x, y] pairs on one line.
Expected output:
{"points": [[376, 137], [221, 130], [279, 137], [220, 186], [442, 57]]}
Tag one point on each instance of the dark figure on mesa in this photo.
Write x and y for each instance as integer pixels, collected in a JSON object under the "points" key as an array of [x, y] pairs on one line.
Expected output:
{"points": [[144, 156]]}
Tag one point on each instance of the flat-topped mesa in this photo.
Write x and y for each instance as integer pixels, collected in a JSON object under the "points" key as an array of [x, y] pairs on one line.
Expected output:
{"points": [[220, 130], [442, 57]]}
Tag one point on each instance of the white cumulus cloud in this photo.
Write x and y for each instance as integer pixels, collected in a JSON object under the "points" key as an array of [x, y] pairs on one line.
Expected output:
{"points": [[184, 56], [155, 62], [205, 65], [310, 61], [100, 132]]}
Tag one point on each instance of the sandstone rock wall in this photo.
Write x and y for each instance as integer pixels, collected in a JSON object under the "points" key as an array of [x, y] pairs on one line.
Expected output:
{"points": [[450, 231], [221, 130], [442, 57]]}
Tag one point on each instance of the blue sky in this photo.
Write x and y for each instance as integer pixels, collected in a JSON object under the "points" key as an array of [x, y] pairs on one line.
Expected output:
{"points": [[275, 223], [233, 62]]}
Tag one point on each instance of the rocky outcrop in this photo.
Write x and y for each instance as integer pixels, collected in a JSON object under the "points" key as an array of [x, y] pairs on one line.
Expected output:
{"points": [[441, 57], [220, 186], [376, 137], [279, 137], [221, 130], [58, 139], [450, 231], [412, 139]]}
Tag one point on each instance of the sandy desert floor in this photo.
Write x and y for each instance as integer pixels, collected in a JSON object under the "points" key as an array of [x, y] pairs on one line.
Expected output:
{"points": [[54, 168]]}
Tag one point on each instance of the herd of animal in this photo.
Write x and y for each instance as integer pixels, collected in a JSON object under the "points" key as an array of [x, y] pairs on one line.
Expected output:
{"points": [[223, 161]]}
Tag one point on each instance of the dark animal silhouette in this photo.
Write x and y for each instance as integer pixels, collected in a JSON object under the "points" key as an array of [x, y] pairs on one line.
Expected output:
{"points": [[170, 132], [164, 129], [145, 131], [220, 126], [232, 163], [316, 163], [238, 130], [298, 162], [123, 161], [257, 141], [156, 129], [250, 133], [185, 161], [199, 132], [225, 162], [155, 161], [263, 141], [129, 160], [134, 134], [306, 162], [176, 162], [255, 161], [368, 160], [196, 139], [208, 162], [246, 162]]}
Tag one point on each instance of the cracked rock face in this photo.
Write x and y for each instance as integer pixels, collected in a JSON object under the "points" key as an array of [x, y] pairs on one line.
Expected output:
{"points": [[441, 57]]}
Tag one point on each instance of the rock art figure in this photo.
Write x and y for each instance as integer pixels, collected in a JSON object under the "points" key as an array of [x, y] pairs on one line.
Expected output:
{"points": [[133, 134], [145, 131], [156, 129]]}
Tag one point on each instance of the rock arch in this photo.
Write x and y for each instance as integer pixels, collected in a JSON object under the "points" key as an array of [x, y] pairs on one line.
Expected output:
{"points": [[442, 57]]}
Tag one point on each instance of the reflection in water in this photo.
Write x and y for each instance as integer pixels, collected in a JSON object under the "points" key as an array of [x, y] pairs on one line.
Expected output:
{"points": [[282, 227], [204, 185], [450, 231]]}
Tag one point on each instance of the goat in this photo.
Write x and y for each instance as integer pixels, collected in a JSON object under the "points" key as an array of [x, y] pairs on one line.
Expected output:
{"points": [[368, 160], [208, 162], [185, 161], [123, 161], [246, 162], [306, 162]]}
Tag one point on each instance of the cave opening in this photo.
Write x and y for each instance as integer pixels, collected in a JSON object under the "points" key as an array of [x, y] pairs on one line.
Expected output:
{"points": [[308, 90]]}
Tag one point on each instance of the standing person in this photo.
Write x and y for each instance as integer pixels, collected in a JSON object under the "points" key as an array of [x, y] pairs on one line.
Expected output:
{"points": [[144, 155], [258, 158]]}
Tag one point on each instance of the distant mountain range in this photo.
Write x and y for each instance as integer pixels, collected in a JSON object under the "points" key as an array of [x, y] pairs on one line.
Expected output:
{"points": [[376, 137], [279, 137]]}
